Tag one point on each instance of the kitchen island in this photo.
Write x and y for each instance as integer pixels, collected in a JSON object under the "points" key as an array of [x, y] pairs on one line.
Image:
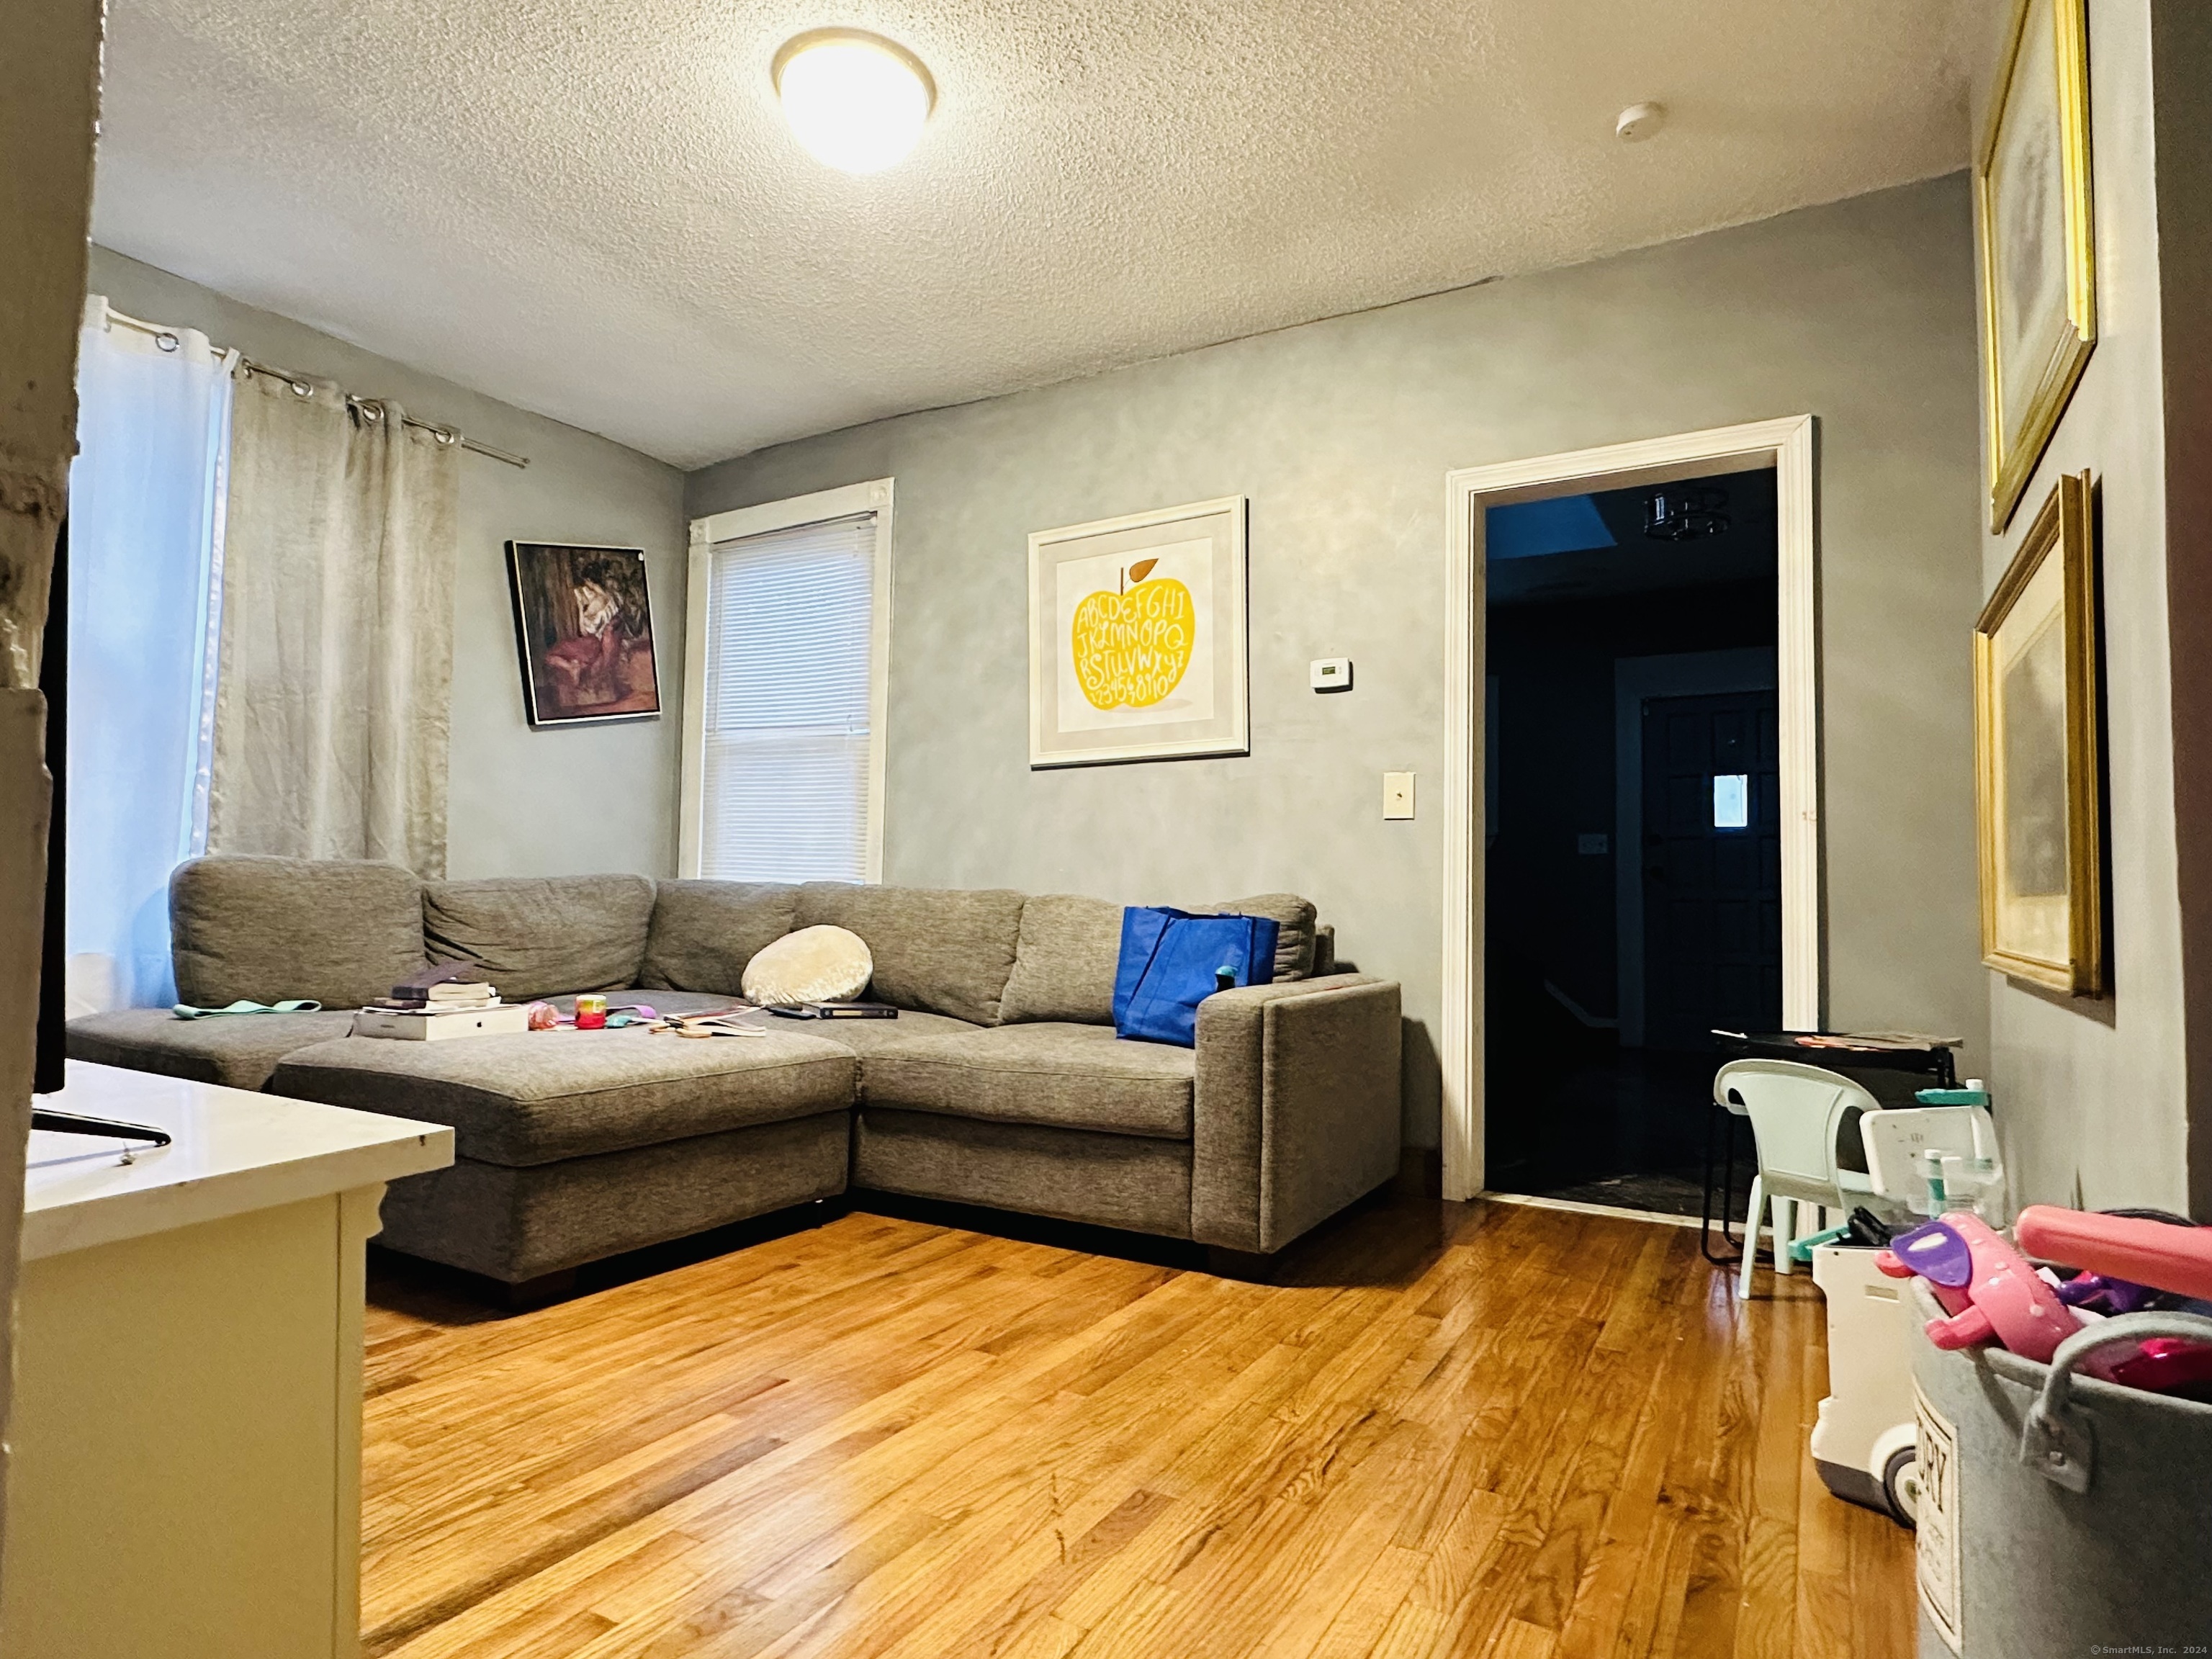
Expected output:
{"points": [[186, 1481]]}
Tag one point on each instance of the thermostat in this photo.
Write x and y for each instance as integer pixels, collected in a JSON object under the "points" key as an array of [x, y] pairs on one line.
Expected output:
{"points": [[1329, 673]]}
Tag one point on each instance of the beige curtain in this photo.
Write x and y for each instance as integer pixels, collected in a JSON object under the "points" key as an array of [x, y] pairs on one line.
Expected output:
{"points": [[333, 697]]}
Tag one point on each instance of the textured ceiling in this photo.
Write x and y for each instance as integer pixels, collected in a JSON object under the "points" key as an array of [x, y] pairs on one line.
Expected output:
{"points": [[591, 208]]}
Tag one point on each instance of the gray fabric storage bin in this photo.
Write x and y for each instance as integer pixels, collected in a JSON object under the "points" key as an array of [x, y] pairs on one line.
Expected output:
{"points": [[2103, 1542]]}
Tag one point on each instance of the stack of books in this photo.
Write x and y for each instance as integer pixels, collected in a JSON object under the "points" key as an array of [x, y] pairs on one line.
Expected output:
{"points": [[449, 1008], [443, 997]]}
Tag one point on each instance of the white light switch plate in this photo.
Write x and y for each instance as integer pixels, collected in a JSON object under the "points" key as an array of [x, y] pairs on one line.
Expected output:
{"points": [[1397, 794]]}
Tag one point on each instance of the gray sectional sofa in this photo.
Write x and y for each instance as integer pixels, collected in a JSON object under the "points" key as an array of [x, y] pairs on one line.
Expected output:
{"points": [[1001, 1083]]}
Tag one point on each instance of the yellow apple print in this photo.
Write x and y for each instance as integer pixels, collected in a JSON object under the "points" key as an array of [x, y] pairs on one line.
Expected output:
{"points": [[1131, 648]]}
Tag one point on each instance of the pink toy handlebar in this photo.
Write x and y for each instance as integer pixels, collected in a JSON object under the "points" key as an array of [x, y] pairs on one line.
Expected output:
{"points": [[2153, 1253]]}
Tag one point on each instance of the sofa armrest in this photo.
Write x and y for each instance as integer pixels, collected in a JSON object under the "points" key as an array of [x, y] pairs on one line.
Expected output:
{"points": [[1295, 1112]]}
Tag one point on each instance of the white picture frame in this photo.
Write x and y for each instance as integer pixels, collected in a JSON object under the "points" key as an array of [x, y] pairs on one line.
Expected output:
{"points": [[1138, 641]]}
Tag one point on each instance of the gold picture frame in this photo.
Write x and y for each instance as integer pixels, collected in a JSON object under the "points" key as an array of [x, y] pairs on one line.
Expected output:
{"points": [[2038, 792], [2036, 232]]}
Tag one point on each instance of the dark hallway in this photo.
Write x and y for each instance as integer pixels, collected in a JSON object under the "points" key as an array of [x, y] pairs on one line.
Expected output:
{"points": [[1633, 884]]}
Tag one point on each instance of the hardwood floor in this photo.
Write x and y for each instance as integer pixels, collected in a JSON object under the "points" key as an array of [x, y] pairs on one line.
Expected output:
{"points": [[1450, 1429]]}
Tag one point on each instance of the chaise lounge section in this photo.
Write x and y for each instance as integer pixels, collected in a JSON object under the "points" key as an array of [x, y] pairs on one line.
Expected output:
{"points": [[1000, 1083]]}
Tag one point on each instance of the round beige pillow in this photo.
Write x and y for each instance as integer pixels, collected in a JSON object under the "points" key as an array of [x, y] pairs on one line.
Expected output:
{"points": [[815, 964]]}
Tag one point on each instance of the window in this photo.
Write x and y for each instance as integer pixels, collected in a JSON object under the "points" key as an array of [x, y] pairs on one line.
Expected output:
{"points": [[147, 495], [789, 642], [1731, 800]]}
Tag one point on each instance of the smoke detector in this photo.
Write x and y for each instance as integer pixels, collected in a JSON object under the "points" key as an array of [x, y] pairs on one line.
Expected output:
{"points": [[1638, 122]]}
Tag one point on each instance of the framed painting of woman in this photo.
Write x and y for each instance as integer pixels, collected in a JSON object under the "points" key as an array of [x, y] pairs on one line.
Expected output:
{"points": [[583, 625]]}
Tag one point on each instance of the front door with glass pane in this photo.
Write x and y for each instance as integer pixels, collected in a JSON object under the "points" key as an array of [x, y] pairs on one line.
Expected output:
{"points": [[1713, 868]]}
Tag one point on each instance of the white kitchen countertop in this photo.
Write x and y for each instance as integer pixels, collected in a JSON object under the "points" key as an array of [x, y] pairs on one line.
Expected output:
{"points": [[234, 1151]]}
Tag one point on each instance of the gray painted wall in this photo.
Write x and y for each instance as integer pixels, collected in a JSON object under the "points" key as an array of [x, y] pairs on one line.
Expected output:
{"points": [[2182, 59], [520, 802], [1340, 433], [2093, 1097]]}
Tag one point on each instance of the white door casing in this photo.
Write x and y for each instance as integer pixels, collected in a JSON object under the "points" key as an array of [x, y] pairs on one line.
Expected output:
{"points": [[1785, 445]]}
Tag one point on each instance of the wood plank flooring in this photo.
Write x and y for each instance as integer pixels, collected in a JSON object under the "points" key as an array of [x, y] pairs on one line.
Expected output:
{"points": [[1448, 1429]]}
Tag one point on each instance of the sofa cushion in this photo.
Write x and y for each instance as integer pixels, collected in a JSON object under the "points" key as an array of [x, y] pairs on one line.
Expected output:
{"points": [[859, 1037], [864, 1037], [529, 936], [236, 1050], [1063, 960], [514, 1225], [268, 930], [704, 932], [1294, 920], [538, 1097], [1064, 1076], [664, 1003], [1108, 1181], [942, 951]]}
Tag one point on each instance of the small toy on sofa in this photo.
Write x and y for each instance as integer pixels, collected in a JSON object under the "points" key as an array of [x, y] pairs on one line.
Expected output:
{"points": [[591, 1014]]}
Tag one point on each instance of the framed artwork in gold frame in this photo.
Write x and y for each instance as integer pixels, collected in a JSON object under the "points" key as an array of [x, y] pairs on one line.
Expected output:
{"points": [[2039, 793], [2038, 240]]}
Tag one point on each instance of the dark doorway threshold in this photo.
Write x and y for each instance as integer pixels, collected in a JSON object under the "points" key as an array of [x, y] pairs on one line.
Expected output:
{"points": [[1624, 1128]]}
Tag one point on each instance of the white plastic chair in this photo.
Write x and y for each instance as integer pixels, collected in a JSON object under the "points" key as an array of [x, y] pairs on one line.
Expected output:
{"points": [[1797, 1112]]}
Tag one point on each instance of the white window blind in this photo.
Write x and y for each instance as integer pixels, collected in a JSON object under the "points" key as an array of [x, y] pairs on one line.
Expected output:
{"points": [[786, 771]]}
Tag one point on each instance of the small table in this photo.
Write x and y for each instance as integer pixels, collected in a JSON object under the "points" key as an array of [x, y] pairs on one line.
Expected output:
{"points": [[187, 1433], [1934, 1061]]}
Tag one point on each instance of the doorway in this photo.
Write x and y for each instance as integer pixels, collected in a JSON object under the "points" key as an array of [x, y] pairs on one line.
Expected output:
{"points": [[1630, 859], [1566, 898]]}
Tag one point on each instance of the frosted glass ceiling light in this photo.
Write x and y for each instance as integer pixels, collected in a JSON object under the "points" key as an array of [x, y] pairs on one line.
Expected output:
{"points": [[856, 101]]}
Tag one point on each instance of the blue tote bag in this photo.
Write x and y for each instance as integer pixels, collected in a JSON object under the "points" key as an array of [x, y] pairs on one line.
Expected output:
{"points": [[1171, 960]]}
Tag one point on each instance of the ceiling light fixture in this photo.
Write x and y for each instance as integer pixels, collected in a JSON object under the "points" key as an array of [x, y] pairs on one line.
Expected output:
{"points": [[856, 101], [1638, 121], [1685, 512]]}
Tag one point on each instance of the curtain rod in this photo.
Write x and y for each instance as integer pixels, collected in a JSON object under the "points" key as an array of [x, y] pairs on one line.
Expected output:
{"points": [[167, 339]]}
